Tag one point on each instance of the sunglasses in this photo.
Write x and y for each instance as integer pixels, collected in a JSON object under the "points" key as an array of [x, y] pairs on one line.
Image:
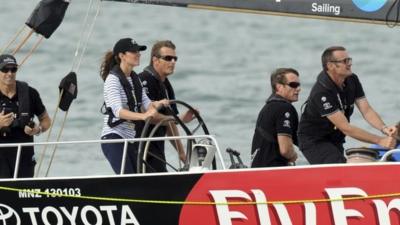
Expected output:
{"points": [[293, 84], [8, 69], [346, 61], [169, 58]]}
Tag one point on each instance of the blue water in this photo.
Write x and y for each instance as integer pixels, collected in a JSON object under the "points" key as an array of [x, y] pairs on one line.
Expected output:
{"points": [[224, 64]]}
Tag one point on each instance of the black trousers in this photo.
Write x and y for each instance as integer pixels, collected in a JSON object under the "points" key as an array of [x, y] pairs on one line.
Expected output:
{"points": [[7, 165], [322, 152], [114, 153]]}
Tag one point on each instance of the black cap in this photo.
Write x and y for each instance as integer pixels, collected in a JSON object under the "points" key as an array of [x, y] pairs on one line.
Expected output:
{"points": [[127, 45], [6, 60]]}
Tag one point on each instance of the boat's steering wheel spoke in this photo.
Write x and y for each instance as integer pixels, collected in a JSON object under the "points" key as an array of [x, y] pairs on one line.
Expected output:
{"points": [[144, 151]]}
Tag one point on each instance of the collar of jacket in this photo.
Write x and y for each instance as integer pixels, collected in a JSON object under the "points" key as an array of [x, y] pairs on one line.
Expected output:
{"points": [[153, 72], [326, 81], [276, 98], [117, 71]]}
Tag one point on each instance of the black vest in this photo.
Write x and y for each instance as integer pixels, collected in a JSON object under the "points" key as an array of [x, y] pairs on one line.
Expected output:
{"points": [[23, 116], [134, 95]]}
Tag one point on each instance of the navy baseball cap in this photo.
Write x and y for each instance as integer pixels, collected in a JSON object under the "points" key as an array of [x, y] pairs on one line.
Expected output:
{"points": [[127, 45], [6, 60]]}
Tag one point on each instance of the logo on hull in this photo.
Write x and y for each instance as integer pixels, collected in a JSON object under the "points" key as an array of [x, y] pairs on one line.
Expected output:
{"points": [[8, 216]]}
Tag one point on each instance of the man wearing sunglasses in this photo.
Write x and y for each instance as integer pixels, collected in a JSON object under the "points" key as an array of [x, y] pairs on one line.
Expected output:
{"points": [[325, 120], [276, 128], [157, 86], [19, 103]]}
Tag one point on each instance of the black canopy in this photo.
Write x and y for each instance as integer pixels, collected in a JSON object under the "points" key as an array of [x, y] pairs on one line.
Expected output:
{"points": [[69, 89], [47, 16]]}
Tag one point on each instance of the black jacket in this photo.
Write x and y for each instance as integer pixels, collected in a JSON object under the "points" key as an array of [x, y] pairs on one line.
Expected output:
{"points": [[277, 117]]}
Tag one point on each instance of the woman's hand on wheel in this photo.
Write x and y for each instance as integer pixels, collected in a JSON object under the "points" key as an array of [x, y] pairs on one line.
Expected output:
{"points": [[161, 103], [150, 113]]}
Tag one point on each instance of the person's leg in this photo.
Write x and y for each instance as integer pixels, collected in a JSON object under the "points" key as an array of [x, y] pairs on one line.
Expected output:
{"points": [[157, 161], [113, 152], [322, 152], [131, 158], [27, 162], [154, 163], [334, 153], [7, 164], [5, 167], [27, 167]]}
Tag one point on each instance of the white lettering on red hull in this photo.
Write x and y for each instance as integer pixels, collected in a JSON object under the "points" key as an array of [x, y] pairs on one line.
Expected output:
{"points": [[383, 210], [223, 209], [262, 209], [340, 213], [338, 210]]}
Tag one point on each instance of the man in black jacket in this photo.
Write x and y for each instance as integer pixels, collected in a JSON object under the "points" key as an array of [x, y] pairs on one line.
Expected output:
{"points": [[157, 86], [19, 104], [325, 120], [276, 127]]}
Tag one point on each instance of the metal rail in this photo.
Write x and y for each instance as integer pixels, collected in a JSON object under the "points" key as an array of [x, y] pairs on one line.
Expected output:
{"points": [[19, 146]]}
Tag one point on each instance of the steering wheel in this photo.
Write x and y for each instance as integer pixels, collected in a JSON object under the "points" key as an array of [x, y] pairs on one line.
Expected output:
{"points": [[144, 151]]}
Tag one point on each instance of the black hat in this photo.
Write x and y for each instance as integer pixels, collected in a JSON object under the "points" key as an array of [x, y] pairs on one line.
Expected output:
{"points": [[127, 45], [6, 60]]}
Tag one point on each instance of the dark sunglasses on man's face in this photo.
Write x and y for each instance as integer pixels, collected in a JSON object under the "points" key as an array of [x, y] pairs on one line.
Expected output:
{"points": [[169, 58], [293, 84], [8, 69], [346, 61]]}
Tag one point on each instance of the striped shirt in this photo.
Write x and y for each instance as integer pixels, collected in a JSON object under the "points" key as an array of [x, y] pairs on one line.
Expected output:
{"points": [[115, 98]]}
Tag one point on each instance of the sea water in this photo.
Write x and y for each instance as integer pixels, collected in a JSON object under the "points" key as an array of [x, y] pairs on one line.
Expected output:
{"points": [[223, 70]]}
